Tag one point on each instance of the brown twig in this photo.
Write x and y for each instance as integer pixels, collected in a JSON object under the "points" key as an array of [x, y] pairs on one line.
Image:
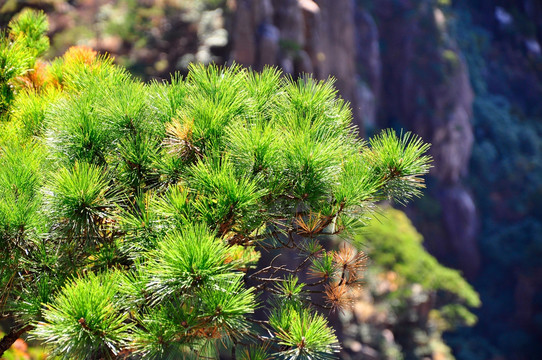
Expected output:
{"points": [[11, 337]]}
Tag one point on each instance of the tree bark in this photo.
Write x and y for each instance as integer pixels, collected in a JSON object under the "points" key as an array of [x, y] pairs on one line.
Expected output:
{"points": [[11, 337]]}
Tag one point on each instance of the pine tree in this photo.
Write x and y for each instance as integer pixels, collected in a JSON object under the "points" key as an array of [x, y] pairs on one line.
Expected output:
{"points": [[133, 216]]}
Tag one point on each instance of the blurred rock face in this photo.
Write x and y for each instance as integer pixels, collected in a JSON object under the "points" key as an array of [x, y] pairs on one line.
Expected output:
{"points": [[428, 92]]}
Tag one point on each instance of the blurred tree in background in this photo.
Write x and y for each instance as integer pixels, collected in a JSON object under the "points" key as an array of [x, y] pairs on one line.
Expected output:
{"points": [[409, 298]]}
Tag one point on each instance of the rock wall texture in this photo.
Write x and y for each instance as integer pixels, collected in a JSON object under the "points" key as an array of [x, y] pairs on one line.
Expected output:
{"points": [[429, 92]]}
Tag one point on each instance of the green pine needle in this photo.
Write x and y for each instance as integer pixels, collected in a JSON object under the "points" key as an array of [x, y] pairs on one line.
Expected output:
{"points": [[83, 321], [306, 335], [80, 199], [30, 27], [187, 259], [400, 162]]}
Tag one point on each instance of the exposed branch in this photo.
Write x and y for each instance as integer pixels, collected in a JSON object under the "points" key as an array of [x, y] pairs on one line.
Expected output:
{"points": [[11, 337]]}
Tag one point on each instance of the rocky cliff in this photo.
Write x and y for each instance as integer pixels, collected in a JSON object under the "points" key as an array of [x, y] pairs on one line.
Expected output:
{"points": [[428, 91]]}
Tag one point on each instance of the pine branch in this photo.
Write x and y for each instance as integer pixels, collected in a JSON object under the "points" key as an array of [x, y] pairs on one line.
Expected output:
{"points": [[136, 213]]}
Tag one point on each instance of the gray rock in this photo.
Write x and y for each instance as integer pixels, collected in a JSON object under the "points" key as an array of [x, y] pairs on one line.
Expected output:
{"points": [[268, 47], [460, 221]]}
